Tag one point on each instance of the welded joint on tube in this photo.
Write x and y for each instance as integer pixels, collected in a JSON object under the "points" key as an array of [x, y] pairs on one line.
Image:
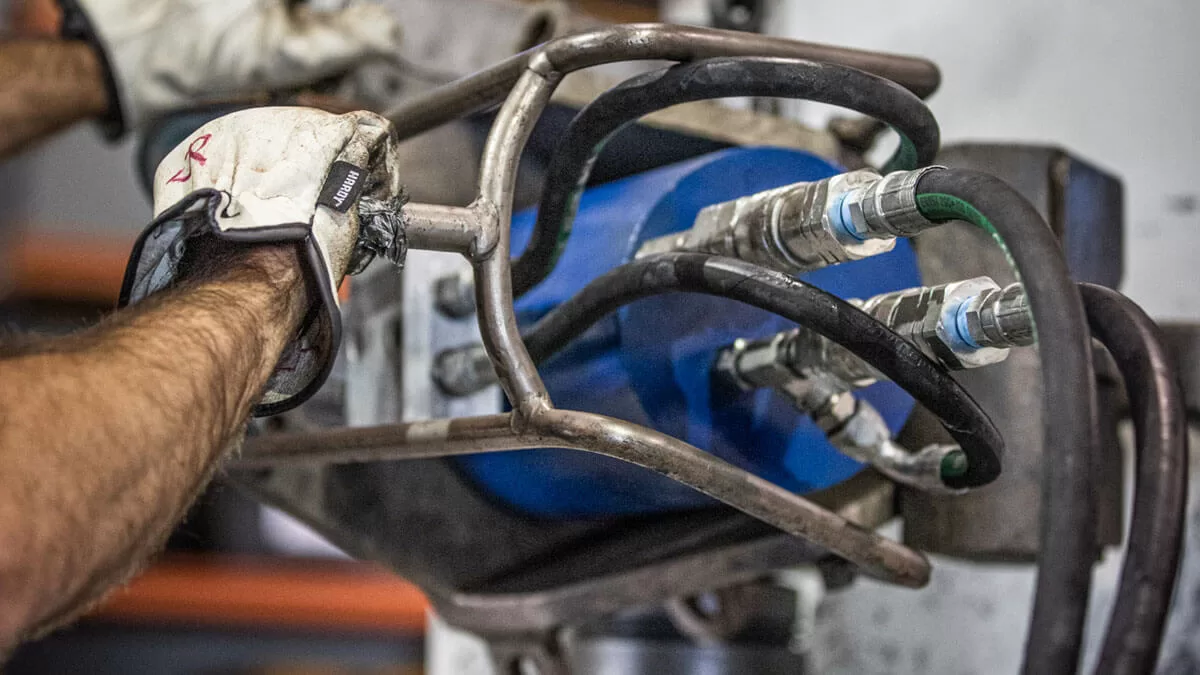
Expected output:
{"points": [[540, 64], [487, 230]]}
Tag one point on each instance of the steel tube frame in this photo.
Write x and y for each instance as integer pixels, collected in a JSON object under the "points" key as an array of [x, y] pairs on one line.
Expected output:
{"points": [[434, 227], [552, 428], [481, 233], [488, 87]]}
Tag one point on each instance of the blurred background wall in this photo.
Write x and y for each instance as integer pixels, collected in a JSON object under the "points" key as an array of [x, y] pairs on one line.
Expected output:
{"points": [[1110, 80], [1113, 81]]}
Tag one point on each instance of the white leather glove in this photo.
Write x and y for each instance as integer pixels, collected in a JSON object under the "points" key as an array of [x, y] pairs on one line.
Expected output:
{"points": [[274, 175], [162, 55]]}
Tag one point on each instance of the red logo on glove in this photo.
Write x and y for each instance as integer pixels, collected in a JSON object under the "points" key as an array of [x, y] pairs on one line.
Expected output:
{"points": [[193, 154]]}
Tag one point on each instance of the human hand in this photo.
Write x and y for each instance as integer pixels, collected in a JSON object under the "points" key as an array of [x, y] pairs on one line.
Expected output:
{"points": [[328, 184]]}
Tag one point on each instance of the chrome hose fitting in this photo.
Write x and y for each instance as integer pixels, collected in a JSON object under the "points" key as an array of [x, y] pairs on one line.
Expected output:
{"points": [[964, 324], [998, 318], [806, 226], [857, 430], [883, 209], [789, 229], [800, 363]]}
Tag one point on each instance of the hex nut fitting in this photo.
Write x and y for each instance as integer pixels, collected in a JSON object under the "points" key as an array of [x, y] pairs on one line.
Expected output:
{"points": [[886, 208], [929, 316], [1001, 317]]}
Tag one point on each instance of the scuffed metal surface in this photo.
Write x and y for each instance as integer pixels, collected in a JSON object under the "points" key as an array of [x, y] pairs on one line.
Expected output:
{"points": [[973, 617]]}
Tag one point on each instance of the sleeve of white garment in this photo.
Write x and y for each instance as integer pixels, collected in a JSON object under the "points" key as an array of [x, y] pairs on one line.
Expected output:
{"points": [[163, 55], [325, 182]]}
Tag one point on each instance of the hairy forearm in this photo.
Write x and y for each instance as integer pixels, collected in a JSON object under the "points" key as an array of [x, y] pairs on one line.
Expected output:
{"points": [[107, 436], [45, 86]]}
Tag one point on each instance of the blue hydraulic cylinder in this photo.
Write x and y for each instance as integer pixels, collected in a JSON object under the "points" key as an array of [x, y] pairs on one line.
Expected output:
{"points": [[650, 362]]}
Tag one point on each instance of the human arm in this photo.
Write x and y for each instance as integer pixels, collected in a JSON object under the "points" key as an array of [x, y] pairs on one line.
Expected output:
{"points": [[108, 435], [46, 86], [128, 61]]}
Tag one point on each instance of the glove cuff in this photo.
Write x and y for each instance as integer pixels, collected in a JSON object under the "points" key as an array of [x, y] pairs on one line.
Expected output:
{"points": [[77, 25], [308, 358]]}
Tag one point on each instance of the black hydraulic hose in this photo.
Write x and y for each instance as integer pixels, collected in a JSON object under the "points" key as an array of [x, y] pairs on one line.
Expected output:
{"points": [[1067, 539], [796, 301], [1156, 527], [725, 77]]}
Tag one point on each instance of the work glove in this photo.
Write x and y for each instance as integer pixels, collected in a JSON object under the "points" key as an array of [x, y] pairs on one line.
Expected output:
{"points": [[162, 55], [326, 182]]}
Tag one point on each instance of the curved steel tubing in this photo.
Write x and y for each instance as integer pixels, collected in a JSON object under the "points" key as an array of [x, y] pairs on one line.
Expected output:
{"points": [[493, 270], [410, 440], [481, 232], [876, 555], [644, 42], [544, 68], [550, 428]]}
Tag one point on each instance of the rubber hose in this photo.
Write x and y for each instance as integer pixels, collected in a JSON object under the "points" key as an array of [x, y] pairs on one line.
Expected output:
{"points": [[796, 301], [1156, 526], [585, 136], [1067, 540]]}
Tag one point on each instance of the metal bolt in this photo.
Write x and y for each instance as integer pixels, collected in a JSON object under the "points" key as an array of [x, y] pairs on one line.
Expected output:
{"points": [[454, 294], [462, 371]]}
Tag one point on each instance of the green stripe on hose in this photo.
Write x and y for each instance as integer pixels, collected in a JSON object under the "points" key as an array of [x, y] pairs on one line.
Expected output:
{"points": [[940, 207], [904, 159]]}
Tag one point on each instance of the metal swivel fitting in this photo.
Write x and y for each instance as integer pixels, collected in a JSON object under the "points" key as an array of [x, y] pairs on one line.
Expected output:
{"points": [[805, 226], [818, 376], [998, 317], [964, 324], [800, 363], [883, 209], [788, 229], [857, 430]]}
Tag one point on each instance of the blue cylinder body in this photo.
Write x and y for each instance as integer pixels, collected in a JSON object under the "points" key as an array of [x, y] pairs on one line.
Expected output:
{"points": [[649, 363]]}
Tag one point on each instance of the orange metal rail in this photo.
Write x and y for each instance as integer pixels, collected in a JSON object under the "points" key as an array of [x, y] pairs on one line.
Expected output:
{"points": [[74, 268], [274, 593]]}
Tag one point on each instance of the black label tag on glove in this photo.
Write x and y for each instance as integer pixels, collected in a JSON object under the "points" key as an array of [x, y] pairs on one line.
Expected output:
{"points": [[342, 187]]}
